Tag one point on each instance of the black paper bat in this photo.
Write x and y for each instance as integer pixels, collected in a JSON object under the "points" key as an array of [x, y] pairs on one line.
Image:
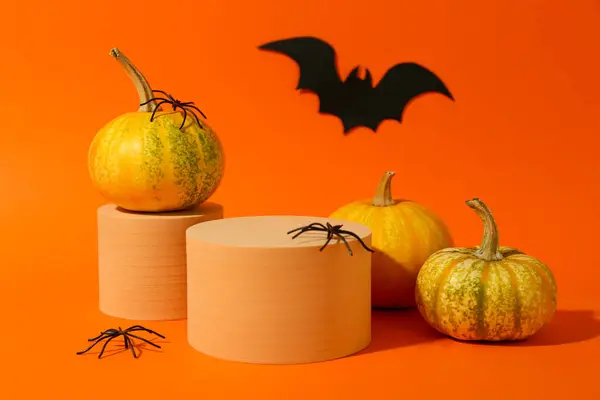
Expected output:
{"points": [[355, 101]]}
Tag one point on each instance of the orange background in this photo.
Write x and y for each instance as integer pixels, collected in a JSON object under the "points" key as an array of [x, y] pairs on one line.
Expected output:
{"points": [[522, 135]]}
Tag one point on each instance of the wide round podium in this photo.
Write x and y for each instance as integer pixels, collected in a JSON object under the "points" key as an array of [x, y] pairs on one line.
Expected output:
{"points": [[256, 295]]}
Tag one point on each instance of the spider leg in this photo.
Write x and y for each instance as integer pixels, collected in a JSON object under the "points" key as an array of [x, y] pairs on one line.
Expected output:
{"points": [[325, 245], [100, 335], [131, 346], [142, 339], [329, 237], [156, 109], [187, 103], [184, 117], [306, 229], [94, 344], [194, 114], [359, 239], [346, 243], [141, 328], [106, 343], [153, 99], [320, 225], [197, 109], [309, 226], [165, 93]]}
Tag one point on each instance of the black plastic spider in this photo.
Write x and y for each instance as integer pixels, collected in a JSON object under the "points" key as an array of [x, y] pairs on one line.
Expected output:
{"points": [[332, 230], [185, 107], [111, 333]]}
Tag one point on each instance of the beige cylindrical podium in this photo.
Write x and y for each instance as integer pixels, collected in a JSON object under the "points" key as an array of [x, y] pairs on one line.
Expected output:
{"points": [[142, 261], [256, 295]]}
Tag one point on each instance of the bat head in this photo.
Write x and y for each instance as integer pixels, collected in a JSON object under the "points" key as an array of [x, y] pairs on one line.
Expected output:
{"points": [[355, 80]]}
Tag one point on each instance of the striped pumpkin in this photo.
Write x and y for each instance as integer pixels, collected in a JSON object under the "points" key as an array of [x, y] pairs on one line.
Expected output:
{"points": [[404, 235], [488, 292], [154, 166]]}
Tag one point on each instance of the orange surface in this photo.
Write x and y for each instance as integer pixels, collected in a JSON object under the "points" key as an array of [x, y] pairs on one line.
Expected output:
{"points": [[523, 135]]}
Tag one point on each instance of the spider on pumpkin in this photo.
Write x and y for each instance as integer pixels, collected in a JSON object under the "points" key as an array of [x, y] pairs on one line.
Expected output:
{"points": [[186, 107], [332, 230], [112, 333]]}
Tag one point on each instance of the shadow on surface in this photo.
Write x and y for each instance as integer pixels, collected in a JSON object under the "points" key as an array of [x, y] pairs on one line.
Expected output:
{"points": [[567, 326], [398, 328], [117, 347], [393, 284]]}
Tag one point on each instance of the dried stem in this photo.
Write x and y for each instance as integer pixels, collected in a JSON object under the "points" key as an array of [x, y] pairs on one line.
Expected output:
{"points": [[489, 244], [141, 84], [383, 195]]}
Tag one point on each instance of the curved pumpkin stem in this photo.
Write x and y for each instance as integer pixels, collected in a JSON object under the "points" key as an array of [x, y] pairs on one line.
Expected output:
{"points": [[489, 244], [383, 195], [141, 84]]}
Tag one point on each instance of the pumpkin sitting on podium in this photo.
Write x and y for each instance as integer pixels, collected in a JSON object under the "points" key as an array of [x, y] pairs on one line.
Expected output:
{"points": [[154, 160], [404, 234]]}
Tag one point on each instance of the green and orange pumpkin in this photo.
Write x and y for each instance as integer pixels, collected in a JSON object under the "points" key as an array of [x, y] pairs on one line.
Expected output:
{"points": [[487, 292], [151, 165]]}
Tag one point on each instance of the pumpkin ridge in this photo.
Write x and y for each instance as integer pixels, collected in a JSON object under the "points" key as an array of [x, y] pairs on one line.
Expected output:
{"points": [[104, 149], [111, 159], [419, 224], [211, 150], [403, 214], [482, 327], [436, 229], [533, 302], [443, 278], [494, 295], [514, 284], [204, 152], [153, 155], [372, 216], [178, 150], [541, 303], [540, 267], [546, 285]]}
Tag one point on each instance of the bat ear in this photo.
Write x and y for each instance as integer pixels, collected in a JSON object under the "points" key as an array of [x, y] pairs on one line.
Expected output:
{"points": [[354, 73], [368, 77]]}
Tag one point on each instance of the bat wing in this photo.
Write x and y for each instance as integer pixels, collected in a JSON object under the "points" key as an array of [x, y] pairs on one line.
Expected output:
{"points": [[401, 84], [316, 60]]}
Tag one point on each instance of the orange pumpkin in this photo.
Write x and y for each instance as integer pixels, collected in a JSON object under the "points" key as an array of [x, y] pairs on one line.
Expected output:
{"points": [[404, 234]]}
